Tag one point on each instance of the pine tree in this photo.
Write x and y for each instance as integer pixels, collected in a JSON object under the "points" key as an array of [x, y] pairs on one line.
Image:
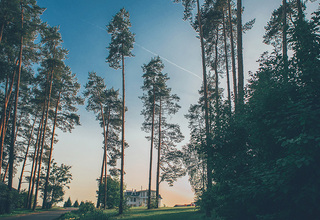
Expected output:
{"points": [[106, 104], [151, 73], [65, 88], [120, 47], [54, 55]]}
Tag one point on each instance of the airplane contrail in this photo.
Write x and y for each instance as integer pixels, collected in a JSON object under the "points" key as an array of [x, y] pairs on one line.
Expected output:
{"points": [[149, 51], [172, 63]]}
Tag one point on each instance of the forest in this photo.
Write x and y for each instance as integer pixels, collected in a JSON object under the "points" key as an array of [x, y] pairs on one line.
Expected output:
{"points": [[254, 147]]}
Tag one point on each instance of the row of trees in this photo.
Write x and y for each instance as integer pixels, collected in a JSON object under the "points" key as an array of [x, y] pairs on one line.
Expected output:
{"points": [[256, 157], [39, 93]]}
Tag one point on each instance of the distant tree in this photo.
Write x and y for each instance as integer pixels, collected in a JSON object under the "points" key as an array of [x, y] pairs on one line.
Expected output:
{"points": [[76, 204], [67, 203], [120, 47], [60, 177]]}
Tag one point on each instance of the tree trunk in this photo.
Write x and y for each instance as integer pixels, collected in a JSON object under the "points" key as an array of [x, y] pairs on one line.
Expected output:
{"points": [[151, 149], [159, 157], [300, 14], [206, 107], [13, 134], [26, 155], [43, 138], [284, 38], [7, 97], [44, 201], [233, 59], [3, 127], [34, 165], [122, 138], [240, 54], [5, 173], [217, 79], [100, 182], [105, 154], [1, 31], [227, 63]]}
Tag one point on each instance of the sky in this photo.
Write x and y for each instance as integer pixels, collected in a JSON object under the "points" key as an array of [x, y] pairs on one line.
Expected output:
{"points": [[159, 30]]}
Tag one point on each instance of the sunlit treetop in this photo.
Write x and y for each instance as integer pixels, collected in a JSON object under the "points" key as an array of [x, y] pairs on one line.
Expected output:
{"points": [[122, 39]]}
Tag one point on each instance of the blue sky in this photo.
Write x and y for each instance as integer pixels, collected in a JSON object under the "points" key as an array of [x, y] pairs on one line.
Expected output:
{"points": [[159, 29]]}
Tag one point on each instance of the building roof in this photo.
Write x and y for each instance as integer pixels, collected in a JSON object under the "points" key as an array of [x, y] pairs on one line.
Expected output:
{"points": [[137, 193]]}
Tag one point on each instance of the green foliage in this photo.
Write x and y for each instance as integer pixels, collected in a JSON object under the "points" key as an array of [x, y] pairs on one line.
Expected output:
{"points": [[59, 179], [17, 199], [86, 211], [76, 204], [113, 190], [121, 39], [265, 156], [68, 203], [86, 207]]}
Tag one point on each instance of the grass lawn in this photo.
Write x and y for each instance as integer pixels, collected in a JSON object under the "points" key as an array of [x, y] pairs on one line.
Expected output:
{"points": [[185, 213], [18, 212]]}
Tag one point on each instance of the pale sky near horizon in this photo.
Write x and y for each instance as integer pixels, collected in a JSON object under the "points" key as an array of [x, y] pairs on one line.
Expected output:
{"points": [[160, 30]]}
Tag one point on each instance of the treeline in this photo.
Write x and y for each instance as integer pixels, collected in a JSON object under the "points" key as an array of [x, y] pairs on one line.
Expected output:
{"points": [[38, 94], [255, 154]]}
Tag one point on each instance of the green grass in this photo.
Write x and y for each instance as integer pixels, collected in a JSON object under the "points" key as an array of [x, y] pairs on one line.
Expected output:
{"points": [[184, 213], [18, 212]]}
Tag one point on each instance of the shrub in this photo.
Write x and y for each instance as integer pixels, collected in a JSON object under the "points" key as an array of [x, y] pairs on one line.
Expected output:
{"points": [[86, 207]]}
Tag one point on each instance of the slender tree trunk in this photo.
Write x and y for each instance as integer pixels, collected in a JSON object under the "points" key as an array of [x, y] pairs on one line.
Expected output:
{"points": [[159, 157], [100, 182], [227, 63], [206, 107], [299, 5], [43, 139], [34, 165], [240, 53], [151, 149], [122, 138], [44, 201], [217, 79], [284, 38], [26, 155], [3, 127], [5, 173], [1, 31], [233, 59], [105, 154], [13, 134], [7, 96]]}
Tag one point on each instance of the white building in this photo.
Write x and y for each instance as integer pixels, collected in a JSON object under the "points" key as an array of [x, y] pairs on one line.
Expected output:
{"points": [[140, 198]]}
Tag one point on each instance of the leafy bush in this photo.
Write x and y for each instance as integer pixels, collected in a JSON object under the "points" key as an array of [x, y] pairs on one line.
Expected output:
{"points": [[86, 207], [17, 199], [86, 211]]}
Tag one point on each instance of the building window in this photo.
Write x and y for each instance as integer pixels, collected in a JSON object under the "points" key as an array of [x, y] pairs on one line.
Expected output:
{"points": [[134, 199]]}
